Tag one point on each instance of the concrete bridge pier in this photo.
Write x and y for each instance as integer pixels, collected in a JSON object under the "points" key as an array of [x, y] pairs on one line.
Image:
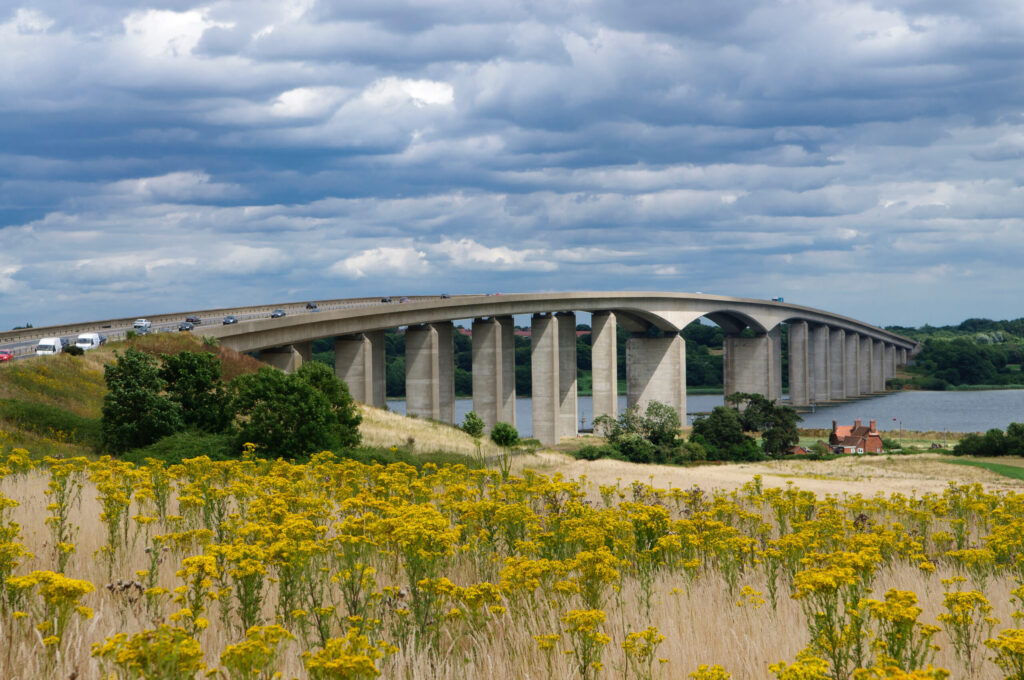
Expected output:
{"points": [[877, 366], [821, 359], [837, 358], [656, 371], [359, 361], [494, 376], [553, 366], [288, 358], [865, 364], [890, 361], [568, 408], [429, 372], [902, 361], [604, 365], [852, 365], [801, 384], [753, 365]]}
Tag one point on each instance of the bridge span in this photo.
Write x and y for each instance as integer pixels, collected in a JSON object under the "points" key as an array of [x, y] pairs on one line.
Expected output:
{"points": [[831, 357]]}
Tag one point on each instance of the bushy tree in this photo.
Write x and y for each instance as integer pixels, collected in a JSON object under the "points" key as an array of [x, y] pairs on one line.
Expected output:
{"points": [[282, 414], [648, 436], [993, 443], [135, 412], [775, 422], [343, 406], [193, 382], [504, 434], [721, 435], [473, 425]]}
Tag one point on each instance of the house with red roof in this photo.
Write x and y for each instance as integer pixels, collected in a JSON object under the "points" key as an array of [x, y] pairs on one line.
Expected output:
{"points": [[856, 438]]}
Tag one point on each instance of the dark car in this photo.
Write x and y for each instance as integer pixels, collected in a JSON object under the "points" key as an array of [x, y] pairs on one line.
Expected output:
{"points": [[6, 355], [445, 296], [385, 299], [311, 306], [277, 314], [230, 319], [193, 320], [403, 300], [186, 326]]}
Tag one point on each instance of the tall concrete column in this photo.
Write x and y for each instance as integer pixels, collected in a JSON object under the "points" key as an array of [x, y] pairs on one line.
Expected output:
{"points": [[656, 371], [890, 361], [864, 365], [422, 373], [488, 376], [821, 357], [837, 356], [604, 365], [852, 362], [902, 361], [359, 361], [287, 358], [305, 350], [568, 410], [877, 366], [753, 364], [544, 373], [507, 412], [446, 371], [800, 383]]}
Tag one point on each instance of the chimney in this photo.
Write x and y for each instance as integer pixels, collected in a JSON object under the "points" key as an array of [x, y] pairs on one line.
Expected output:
{"points": [[873, 426], [856, 423], [834, 425]]}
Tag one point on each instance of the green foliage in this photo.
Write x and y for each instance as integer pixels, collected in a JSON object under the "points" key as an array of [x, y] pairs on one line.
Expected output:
{"points": [[504, 434], [343, 406], [775, 422], [593, 452], [135, 413], [173, 449], [74, 350], [52, 421], [721, 435], [291, 416], [193, 382], [993, 443], [643, 437], [282, 414], [473, 425]]}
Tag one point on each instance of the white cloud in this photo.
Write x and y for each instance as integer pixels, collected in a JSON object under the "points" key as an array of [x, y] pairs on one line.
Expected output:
{"points": [[304, 102], [470, 254], [243, 259], [31, 21], [383, 262], [164, 33], [391, 90]]}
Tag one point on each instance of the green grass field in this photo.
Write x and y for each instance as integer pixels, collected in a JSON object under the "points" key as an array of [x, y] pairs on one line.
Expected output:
{"points": [[1013, 470]]}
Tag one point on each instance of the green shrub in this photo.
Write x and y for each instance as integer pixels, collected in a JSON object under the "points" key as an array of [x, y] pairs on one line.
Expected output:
{"points": [[503, 434], [593, 452], [74, 350], [473, 425]]}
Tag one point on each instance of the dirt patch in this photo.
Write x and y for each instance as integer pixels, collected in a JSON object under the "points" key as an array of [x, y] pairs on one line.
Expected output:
{"points": [[868, 475]]}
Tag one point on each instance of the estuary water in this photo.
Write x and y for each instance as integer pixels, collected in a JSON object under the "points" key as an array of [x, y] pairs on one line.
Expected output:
{"points": [[916, 410]]}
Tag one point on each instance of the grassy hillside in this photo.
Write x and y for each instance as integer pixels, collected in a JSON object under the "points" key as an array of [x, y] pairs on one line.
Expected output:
{"points": [[52, 405]]}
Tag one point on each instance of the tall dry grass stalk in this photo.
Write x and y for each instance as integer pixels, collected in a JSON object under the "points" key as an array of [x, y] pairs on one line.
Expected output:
{"points": [[386, 428]]}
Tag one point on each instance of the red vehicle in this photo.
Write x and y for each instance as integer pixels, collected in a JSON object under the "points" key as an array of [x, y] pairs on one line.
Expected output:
{"points": [[6, 355]]}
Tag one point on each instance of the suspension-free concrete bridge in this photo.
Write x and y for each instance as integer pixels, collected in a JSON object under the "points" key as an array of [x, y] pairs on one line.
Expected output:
{"points": [[831, 357]]}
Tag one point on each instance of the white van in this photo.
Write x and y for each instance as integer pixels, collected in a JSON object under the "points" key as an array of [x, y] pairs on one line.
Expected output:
{"points": [[87, 341], [48, 346]]}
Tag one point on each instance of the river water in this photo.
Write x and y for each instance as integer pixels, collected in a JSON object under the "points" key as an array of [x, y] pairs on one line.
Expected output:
{"points": [[923, 411]]}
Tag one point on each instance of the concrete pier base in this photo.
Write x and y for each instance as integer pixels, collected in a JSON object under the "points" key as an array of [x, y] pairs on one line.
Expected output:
{"points": [[287, 358], [429, 379], [359, 362], [568, 407], [656, 371], [753, 365], [494, 381], [864, 365], [604, 365], [821, 359], [837, 354], [852, 364], [800, 366], [877, 366]]}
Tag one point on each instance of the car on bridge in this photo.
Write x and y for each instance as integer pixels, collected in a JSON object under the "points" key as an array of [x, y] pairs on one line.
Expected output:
{"points": [[193, 320], [186, 326], [230, 319], [311, 306], [385, 299], [6, 355], [277, 314]]}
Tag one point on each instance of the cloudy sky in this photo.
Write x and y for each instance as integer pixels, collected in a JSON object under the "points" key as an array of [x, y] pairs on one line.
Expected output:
{"points": [[860, 157]]}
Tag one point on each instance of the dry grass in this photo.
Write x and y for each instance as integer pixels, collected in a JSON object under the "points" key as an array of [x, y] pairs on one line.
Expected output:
{"points": [[384, 428]]}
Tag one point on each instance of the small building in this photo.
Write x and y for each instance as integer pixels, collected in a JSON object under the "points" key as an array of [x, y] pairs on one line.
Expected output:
{"points": [[856, 438], [797, 450]]}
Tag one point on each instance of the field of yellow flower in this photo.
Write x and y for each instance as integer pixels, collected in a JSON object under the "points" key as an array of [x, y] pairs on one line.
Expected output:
{"points": [[333, 569]]}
